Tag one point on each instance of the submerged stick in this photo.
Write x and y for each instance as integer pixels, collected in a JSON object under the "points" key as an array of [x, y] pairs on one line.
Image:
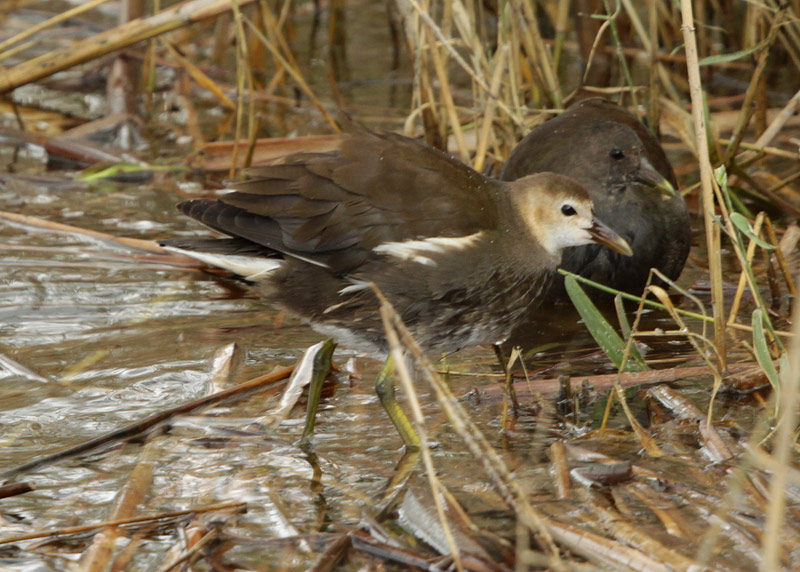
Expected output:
{"points": [[550, 386]]}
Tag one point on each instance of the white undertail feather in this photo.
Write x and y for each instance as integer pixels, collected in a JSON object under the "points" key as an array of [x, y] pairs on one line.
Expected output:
{"points": [[249, 267], [417, 250]]}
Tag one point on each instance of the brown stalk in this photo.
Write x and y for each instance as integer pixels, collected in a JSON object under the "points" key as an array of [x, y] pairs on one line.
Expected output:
{"points": [[199, 77], [112, 40], [654, 114], [489, 110], [243, 76], [49, 23], [295, 73], [751, 248], [560, 470], [523, 33], [133, 243], [603, 551], [628, 534], [707, 182], [96, 558], [562, 27], [541, 56], [390, 321], [190, 554], [748, 106], [507, 485], [438, 60], [534, 388], [787, 275]]}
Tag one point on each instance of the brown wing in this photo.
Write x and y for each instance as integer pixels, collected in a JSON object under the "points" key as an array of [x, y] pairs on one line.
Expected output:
{"points": [[333, 208]]}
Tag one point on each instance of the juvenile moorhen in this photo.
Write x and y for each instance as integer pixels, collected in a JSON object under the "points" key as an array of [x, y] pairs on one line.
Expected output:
{"points": [[631, 182], [462, 257]]}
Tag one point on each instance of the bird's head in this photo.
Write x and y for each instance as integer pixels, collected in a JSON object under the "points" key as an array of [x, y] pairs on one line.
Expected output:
{"points": [[559, 213]]}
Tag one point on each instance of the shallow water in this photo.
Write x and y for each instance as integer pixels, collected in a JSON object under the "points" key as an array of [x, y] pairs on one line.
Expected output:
{"points": [[110, 338]]}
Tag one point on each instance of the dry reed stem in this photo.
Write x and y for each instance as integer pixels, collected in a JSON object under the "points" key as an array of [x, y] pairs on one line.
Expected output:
{"points": [[628, 534], [111, 41], [390, 320], [438, 60], [49, 23], [603, 551], [541, 56], [243, 76], [190, 554], [488, 112], [437, 32], [787, 276], [97, 557], [508, 487], [748, 106], [740, 288], [133, 243], [561, 29], [707, 182], [199, 77], [294, 73]]}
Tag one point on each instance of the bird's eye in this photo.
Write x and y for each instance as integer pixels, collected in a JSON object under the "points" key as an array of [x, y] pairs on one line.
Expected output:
{"points": [[617, 154], [568, 210]]}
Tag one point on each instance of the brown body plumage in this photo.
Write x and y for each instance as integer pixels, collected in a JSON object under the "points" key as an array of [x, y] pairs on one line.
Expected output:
{"points": [[462, 257]]}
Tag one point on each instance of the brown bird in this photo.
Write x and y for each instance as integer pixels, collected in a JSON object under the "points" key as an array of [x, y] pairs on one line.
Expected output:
{"points": [[462, 257], [631, 182]]}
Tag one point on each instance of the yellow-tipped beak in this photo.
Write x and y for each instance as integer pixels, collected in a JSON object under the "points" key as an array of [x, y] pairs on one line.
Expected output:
{"points": [[601, 234], [648, 174]]}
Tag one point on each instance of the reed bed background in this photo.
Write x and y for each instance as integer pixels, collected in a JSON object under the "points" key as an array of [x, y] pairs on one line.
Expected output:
{"points": [[717, 79]]}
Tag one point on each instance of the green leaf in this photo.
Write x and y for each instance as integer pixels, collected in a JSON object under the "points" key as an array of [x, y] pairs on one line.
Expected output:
{"points": [[743, 225], [104, 170], [732, 57], [602, 332], [762, 351]]}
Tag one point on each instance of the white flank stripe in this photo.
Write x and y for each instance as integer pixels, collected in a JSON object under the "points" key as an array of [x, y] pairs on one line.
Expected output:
{"points": [[356, 286], [415, 250], [249, 267]]}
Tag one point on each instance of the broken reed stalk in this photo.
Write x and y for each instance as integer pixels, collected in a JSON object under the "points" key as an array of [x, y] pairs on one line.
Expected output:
{"points": [[713, 241]]}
